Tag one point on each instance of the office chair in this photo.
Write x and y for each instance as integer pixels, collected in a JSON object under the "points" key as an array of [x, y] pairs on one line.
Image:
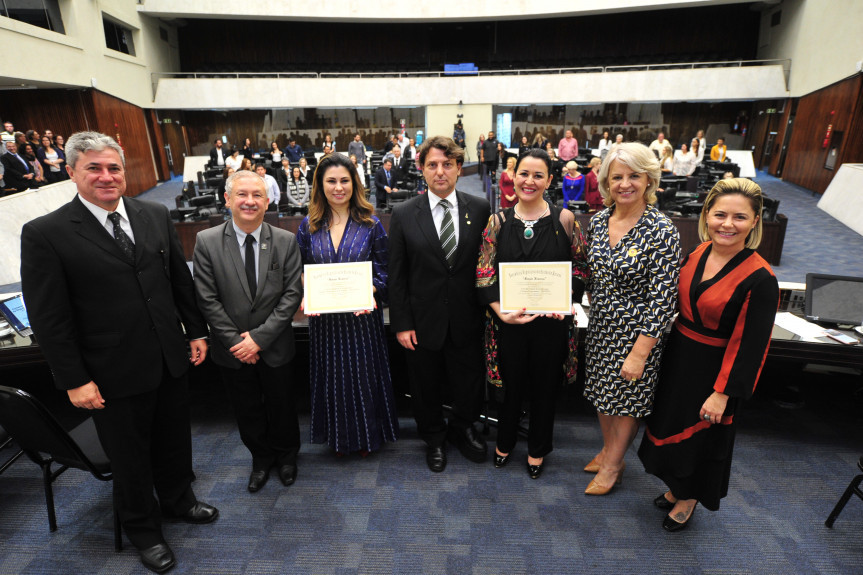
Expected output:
{"points": [[45, 442], [852, 489], [6, 441]]}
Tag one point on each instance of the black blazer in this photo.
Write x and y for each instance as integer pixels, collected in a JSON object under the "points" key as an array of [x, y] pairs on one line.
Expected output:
{"points": [[214, 160], [98, 316], [426, 295], [381, 179], [15, 172]]}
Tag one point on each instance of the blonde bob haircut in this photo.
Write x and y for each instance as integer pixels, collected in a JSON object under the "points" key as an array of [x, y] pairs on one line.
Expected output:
{"points": [[638, 158], [741, 186]]}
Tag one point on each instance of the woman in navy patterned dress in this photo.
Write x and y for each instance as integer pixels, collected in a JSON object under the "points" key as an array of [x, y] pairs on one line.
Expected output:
{"points": [[353, 408], [633, 251]]}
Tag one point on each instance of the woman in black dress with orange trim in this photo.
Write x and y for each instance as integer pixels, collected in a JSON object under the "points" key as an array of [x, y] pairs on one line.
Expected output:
{"points": [[728, 299]]}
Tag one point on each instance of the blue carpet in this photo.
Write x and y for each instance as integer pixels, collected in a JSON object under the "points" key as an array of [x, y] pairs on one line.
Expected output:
{"points": [[388, 514]]}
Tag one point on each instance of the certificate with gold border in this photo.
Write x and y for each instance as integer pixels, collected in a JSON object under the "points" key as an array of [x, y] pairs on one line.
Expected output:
{"points": [[337, 288], [536, 287]]}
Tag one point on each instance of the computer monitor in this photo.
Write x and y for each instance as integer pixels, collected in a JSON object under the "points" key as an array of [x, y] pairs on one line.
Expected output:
{"points": [[15, 312], [834, 299]]}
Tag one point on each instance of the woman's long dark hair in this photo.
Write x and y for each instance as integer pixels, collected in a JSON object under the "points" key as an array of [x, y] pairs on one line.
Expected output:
{"points": [[361, 210]]}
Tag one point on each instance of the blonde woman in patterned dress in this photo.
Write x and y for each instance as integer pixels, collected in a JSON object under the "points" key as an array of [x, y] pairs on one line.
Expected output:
{"points": [[633, 251]]}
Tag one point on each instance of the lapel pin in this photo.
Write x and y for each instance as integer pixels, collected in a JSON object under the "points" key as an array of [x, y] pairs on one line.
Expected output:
{"points": [[263, 246]]}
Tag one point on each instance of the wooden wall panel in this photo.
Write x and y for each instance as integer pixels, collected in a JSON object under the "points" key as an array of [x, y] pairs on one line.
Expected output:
{"points": [[125, 123], [778, 142], [839, 105], [68, 111], [157, 143]]}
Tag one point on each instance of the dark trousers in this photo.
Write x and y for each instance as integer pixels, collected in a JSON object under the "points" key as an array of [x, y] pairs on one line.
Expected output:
{"points": [[263, 402], [149, 441], [454, 373], [531, 367]]}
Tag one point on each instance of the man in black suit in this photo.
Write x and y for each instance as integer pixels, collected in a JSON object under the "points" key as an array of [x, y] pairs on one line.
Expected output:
{"points": [[248, 296], [385, 180], [107, 286], [434, 310], [18, 172], [218, 154]]}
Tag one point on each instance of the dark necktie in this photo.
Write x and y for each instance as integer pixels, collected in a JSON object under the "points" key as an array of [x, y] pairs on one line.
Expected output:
{"points": [[122, 239], [388, 177], [251, 276], [447, 233]]}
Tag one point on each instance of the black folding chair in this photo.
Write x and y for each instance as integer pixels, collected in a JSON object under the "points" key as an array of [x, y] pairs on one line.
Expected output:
{"points": [[6, 441], [45, 442], [853, 489]]}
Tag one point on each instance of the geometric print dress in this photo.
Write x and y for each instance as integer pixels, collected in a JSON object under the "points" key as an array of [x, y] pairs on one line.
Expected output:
{"points": [[633, 289]]}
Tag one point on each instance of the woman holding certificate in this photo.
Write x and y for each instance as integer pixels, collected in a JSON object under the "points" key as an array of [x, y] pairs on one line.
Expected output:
{"points": [[634, 251], [532, 349], [728, 300], [352, 403]]}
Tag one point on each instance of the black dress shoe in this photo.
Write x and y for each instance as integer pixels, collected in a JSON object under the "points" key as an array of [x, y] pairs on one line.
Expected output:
{"points": [[671, 525], [288, 474], [258, 479], [470, 443], [436, 458], [158, 558], [199, 513], [500, 460], [663, 503], [534, 470]]}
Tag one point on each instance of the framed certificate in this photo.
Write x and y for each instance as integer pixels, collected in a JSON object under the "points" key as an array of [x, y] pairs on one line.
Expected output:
{"points": [[538, 287], [336, 288]]}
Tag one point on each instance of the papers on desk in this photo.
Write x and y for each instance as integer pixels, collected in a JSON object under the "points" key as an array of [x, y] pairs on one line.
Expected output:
{"points": [[807, 331]]}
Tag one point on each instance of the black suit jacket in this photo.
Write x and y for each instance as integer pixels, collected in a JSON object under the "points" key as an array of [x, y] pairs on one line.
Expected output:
{"points": [[98, 316], [15, 172], [214, 160], [381, 179], [426, 295]]}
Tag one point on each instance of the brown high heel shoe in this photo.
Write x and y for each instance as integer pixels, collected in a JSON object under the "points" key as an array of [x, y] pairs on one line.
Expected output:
{"points": [[594, 488], [593, 466]]}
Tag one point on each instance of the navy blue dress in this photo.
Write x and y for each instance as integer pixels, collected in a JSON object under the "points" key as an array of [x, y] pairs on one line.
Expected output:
{"points": [[353, 408]]}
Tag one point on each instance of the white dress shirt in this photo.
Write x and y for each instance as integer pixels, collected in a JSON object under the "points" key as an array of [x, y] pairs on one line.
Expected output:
{"points": [[101, 215], [241, 238], [273, 191], [437, 211]]}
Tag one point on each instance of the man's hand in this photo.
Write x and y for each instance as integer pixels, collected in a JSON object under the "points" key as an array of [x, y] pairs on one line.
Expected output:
{"points": [[86, 397], [198, 349], [247, 350], [407, 339]]}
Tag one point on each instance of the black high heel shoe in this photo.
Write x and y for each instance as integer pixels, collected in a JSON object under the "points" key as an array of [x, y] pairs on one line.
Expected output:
{"points": [[663, 503], [500, 460], [671, 525], [534, 470]]}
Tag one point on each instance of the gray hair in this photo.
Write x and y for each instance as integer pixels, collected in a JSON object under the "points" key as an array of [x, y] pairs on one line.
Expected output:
{"points": [[638, 158], [240, 174], [82, 142]]}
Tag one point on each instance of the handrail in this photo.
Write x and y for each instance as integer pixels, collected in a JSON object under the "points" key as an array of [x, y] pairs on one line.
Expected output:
{"points": [[786, 67]]}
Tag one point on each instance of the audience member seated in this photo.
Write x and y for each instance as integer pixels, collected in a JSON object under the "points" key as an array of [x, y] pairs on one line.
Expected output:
{"points": [[592, 195], [28, 152], [666, 161], [539, 141], [34, 139], [618, 139], [294, 151], [697, 150], [272, 187], [245, 164], [384, 183], [275, 153], [283, 174], [717, 152], [7, 135], [657, 145], [684, 162], [567, 148], [524, 147], [234, 161], [247, 150], [18, 172], [297, 193], [51, 160], [327, 151], [328, 142], [306, 171], [218, 154], [573, 184]]}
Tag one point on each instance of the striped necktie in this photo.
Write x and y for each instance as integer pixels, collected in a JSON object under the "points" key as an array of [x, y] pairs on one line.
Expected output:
{"points": [[123, 240], [447, 233]]}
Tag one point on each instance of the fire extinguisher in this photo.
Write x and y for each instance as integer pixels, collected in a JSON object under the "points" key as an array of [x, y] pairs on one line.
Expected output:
{"points": [[826, 141]]}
